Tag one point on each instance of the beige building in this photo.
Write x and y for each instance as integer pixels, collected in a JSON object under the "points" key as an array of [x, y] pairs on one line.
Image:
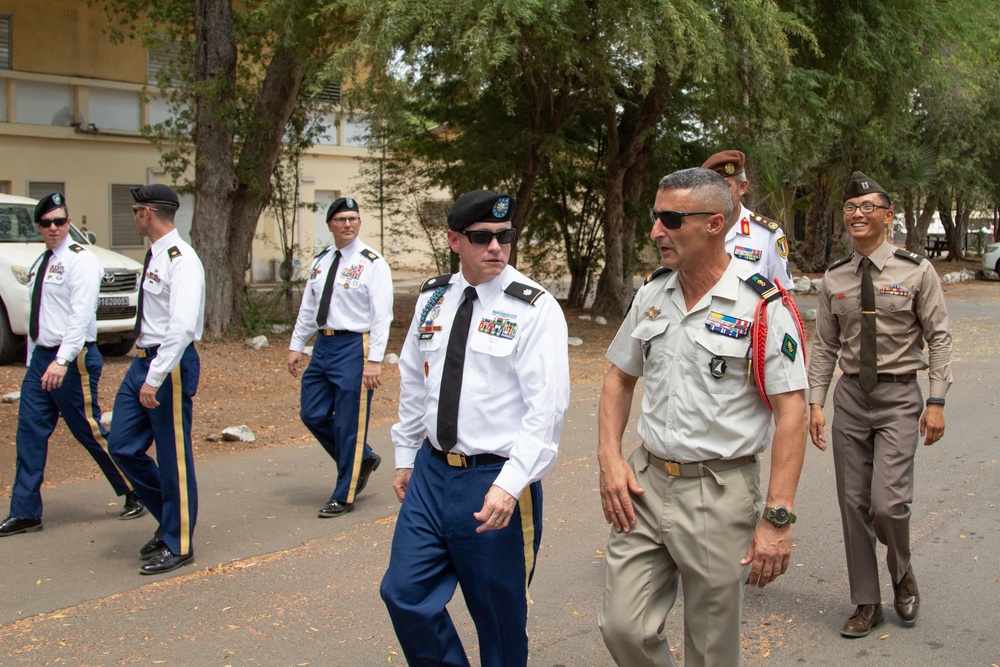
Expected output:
{"points": [[71, 110]]}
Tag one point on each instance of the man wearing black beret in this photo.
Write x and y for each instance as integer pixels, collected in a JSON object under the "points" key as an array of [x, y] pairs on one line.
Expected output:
{"points": [[348, 302], [62, 359], [484, 386], [877, 309]]}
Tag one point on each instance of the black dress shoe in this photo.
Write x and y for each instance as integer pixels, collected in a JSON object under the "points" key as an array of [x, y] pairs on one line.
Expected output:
{"points": [[907, 600], [165, 561], [133, 508], [865, 617], [12, 526], [334, 508], [155, 544], [368, 466]]}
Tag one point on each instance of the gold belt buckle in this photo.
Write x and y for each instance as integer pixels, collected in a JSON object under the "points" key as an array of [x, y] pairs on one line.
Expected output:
{"points": [[456, 460], [673, 468]]}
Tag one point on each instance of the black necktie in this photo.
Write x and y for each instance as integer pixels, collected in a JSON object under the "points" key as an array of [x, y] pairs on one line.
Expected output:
{"points": [[868, 376], [324, 301], [36, 295], [138, 311], [451, 376]]}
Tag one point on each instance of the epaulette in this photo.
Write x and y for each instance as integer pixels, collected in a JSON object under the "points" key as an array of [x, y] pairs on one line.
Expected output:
{"points": [[772, 225], [525, 293], [325, 250], [663, 270], [906, 254], [369, 254], [319, 257], [436, 281], [173, 252], [76, 247], [840, 262], [763, 286]]}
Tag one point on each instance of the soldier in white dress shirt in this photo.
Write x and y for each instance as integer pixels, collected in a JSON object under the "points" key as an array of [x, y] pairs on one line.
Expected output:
{"points": [[347, 303]]}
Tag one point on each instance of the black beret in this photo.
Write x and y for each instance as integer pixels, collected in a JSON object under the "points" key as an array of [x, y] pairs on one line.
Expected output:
{"points": [[480, 206], [726, 163], [49, 203], [155, 195], [342, 204], [862, 185]]}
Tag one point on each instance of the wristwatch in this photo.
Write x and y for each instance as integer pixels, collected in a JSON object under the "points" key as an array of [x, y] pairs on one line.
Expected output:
{"points": [[779, 516], [62, 362], [935, 401]]}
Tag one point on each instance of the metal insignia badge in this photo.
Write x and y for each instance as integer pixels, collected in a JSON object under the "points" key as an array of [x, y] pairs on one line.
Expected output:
{"points": [[717, 366], [435, 313], [652, 313], [730, 168], [347, 284], [500, 207]]}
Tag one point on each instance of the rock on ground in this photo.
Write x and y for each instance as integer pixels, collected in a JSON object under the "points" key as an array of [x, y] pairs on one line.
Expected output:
{"points": [[241, 433]]}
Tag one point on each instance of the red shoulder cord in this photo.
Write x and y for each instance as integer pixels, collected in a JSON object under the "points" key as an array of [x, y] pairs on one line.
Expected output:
{"points": [[758, 338]]}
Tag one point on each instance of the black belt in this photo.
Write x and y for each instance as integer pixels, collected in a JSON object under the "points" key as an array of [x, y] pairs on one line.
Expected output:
{"points": [[335, 332], [675, 469], [55, 348], [906, 378], [456, 460], [146, 352]]}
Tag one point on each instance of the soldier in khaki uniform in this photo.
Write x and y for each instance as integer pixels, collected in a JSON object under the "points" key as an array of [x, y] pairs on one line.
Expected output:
{"points": [[879, 330], [757, 242], [686, 505]]}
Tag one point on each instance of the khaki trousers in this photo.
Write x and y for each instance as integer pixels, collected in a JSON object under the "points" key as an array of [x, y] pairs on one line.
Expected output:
{"points": [[695, 529], [874, 440]]}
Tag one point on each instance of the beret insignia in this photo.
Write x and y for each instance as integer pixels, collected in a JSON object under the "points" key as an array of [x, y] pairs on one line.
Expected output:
{"points": [[500, 207]]}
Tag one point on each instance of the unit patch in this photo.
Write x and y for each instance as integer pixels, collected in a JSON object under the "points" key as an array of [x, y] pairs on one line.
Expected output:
{"points": [[749, 254], [717, 366], [789, 347], [727, 325], [782, 245]]}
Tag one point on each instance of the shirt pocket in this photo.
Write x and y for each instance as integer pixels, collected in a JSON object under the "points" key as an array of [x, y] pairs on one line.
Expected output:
{"points": [[734, 366], [651, 338], [489, 364], [152, 286]]}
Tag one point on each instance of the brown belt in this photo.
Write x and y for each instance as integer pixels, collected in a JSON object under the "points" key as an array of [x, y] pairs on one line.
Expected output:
{"points": [[906, 378], [675, 469]]}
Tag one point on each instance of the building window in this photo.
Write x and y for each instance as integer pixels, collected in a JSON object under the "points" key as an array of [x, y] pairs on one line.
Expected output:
{"points": [[123, 231], [113, 109], [38, 189], [330, 94], [4, 187], [43, 103], [164, 61], [5, 41]]}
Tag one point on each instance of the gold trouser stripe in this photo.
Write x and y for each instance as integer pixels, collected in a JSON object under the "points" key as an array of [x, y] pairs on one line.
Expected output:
{"points": [[179, 449], [88, 411], [528, 533], [359, 442]]}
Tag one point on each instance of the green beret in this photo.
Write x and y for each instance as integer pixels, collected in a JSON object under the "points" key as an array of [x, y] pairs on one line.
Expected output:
{"points": [[480, 206]]}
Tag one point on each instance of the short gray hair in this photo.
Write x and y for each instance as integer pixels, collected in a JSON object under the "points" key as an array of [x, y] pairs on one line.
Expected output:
{"points": [[709, 185]]}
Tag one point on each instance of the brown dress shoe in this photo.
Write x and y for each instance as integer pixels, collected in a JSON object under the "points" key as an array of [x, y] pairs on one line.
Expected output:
{"points": [[907, 601], [865, 617]]}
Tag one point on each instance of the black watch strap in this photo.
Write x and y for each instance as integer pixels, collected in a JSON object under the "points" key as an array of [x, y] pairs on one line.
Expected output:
{"points": [[935, 401]]}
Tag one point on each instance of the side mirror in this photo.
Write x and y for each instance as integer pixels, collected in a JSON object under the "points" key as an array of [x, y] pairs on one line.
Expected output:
{"points": [[91, 237]]}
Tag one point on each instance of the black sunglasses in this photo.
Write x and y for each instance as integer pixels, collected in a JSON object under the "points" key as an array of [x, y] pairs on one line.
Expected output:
{"points": [[485, 236], [673, 219], [58, 222]]}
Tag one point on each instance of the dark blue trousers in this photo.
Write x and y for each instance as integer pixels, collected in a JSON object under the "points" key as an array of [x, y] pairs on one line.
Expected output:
{"points": [[335, 403], [436, 546], [37, 415], [166, 486]]}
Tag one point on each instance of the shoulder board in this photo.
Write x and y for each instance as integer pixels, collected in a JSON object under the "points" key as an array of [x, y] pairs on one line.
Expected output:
{"points": [[525, 293], [76, 247], [840, 262], [662, 271], [369, 254], [765, 222], [906, 254], [436, 281], [325, 250], [762, 286], [173, 252]]}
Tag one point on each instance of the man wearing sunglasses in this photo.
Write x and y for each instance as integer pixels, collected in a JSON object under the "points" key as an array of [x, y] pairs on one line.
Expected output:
{"points": [[348, 302], [155, 400], [755, 241], [484, 386], [688, 499], [62, 359], [877, 309]]}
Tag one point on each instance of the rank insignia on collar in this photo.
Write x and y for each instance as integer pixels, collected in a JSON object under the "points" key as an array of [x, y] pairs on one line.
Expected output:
{"points": [[717, 366], [745, 227], [652, 313], [789, 347]]}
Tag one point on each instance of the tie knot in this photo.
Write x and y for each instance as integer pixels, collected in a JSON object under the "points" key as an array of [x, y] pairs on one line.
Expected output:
{"points": [[866, 263], [470, 293]]}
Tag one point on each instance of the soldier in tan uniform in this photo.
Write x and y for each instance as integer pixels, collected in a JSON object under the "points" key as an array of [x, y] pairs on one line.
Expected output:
{"points": [[878, 325], [756, 241]]}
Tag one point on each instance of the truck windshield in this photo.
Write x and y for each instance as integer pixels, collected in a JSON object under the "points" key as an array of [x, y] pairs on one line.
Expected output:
{"points": [[16, 226]]}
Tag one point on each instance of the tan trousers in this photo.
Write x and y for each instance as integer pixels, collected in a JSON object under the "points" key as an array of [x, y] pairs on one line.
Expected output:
{"points": [[696, 529]]}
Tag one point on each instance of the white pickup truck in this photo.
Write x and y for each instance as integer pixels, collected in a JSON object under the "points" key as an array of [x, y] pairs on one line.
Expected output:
{"points": [[20, 246]]}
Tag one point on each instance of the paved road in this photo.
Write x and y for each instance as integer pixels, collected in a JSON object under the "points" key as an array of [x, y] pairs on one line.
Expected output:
{"points": [[273, 585]]}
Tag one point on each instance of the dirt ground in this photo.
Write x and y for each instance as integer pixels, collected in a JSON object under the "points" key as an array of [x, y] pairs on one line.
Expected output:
{"points": [[243, 386]]}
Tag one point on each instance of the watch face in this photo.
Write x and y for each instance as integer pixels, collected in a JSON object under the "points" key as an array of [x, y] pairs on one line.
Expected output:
{"points": [[780, 515]]}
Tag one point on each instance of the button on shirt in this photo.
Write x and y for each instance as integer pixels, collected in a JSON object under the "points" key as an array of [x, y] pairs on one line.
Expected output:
{"points": [[909, 310], [361, 300], [688, 415], [68, 314], [173, 308], [761, 240], [515, 388]]}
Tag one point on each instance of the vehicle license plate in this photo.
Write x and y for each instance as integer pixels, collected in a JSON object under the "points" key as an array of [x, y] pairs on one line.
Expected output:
{"points": [[112, 301]]}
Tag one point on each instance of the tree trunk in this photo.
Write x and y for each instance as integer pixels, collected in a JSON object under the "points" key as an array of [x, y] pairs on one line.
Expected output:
{"points": [[813, 253], [922, 223], [613, 293]]}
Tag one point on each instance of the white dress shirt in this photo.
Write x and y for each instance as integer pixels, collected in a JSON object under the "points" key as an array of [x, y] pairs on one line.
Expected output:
{"points": [[759, 249]]}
